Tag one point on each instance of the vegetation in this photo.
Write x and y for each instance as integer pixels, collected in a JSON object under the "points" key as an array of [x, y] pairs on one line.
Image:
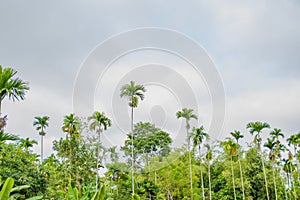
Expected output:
{"points": [[152, 168]]}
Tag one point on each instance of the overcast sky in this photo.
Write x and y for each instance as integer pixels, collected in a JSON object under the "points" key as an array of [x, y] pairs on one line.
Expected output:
{"points": [[254, 45]]}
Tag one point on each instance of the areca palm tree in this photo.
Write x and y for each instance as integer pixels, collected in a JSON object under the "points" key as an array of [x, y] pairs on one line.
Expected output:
{"points": [[276, 134], [13, 88], [237, 135], [133, 92], [188, 114], [295, 141], [270, 144], [41, 123], [198, 136], [27, 143], [257, 127], [70, 127], [208, 157], [98, 122], [231, 148], [288, 168]]}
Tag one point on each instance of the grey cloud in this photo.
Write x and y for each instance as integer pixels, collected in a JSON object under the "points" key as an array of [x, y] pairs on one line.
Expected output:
{"points": [[254, 44]]}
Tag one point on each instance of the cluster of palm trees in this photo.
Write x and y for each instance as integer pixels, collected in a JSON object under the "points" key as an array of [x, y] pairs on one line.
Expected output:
{"points": [[276, 149], [15, 89], [71, 125], [233, 148]]}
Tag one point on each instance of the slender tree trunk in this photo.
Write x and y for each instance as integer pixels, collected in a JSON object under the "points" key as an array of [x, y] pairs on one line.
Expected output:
{"points": [[148, 166], [97, 162], [201, 174], [71, 152], [288, 179], [285, 194], [265, 174], [155, 181], [297, 162], [209, 182], [0, 106], [274, 180], [132, 155], [190, 165], [258, 143], [242, 177], [42, 147], [233, 184], [292, 184], [77, 175]]}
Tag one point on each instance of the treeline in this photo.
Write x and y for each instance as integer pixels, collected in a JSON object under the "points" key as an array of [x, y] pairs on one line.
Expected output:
{"points": [[201, 169]]}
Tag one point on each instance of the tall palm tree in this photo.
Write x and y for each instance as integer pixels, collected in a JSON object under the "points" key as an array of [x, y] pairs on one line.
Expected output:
{"points": [[98, 122], [188, 114], [231, 148], [198, 136], [70, 127], [41, 123], [257, 127], [270, 144], [295, 141], [13, 88], [208, 157], [237, 135], [288, 168], [27, 143], [276, 134], [133, 93]]}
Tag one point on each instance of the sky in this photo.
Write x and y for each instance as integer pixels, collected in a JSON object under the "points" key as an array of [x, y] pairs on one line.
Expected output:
{"points": [[251, 47]]}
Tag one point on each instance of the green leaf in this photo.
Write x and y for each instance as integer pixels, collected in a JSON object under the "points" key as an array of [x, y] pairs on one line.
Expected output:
{"points": [[100, 194], [35, 198], [5, 192], [18, 188]]}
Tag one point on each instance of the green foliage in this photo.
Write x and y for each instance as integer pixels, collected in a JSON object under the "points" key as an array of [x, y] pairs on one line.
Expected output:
{"points": [[7, 137], [147, 141], [23, 167], [13, 88], [8, 192]]}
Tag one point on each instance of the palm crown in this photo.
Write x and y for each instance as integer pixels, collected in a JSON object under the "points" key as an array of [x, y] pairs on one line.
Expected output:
{"points": [[237, 135], [70, 124], [26, 143], [41, 124], [133, 92], [276, 133], [6, 136], [99, 121], [14, 88], [257, 127], [187, 114], [230, 147], [198, 135]]}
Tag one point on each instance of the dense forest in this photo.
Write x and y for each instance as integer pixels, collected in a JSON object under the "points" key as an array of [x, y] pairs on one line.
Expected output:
{"points": [[82, 168]]}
